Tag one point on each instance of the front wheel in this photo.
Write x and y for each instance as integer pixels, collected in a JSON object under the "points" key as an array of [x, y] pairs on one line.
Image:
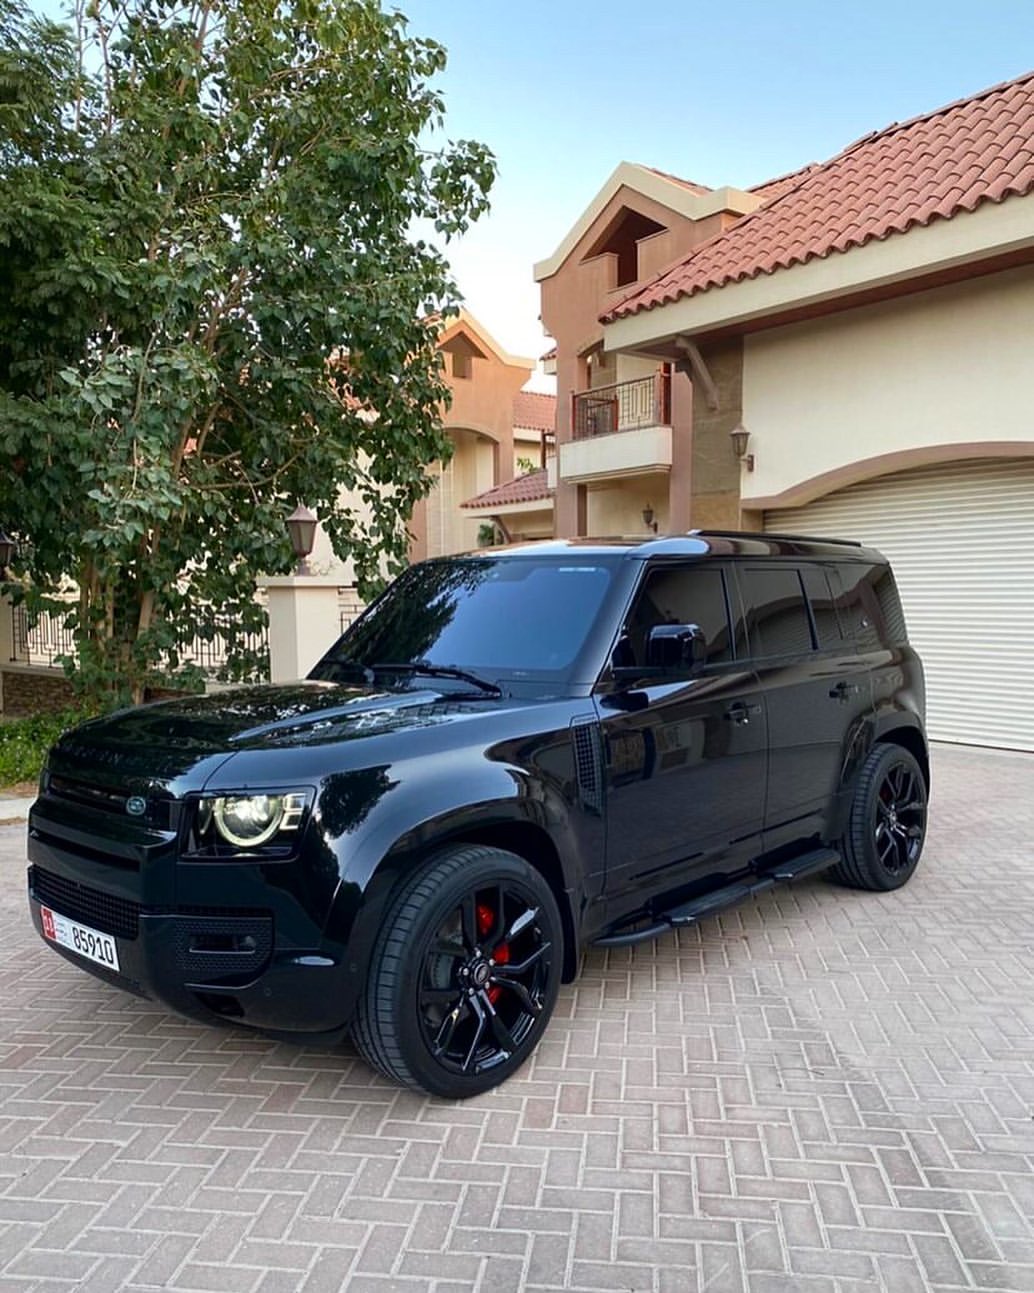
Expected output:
{"points": [[464, 975], [887, 826]]}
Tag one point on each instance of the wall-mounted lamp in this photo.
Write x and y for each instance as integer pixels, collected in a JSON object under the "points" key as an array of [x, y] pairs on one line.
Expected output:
{"points": [[6, 550], [740, 438], [301, 526], [648, 520]]}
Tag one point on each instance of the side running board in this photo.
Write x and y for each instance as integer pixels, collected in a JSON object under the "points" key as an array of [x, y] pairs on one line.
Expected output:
{"points": [[710, 904]]}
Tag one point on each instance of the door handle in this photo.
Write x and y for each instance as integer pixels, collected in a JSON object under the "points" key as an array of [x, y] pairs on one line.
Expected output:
{"points": [[741, 714], [844, 691]]}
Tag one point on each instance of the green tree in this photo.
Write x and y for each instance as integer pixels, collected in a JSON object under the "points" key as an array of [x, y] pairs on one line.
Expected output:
{"points": [[213, 304]]}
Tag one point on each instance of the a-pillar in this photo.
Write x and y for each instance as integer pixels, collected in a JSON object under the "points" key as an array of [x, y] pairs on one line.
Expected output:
{"points": [[304, 622]]}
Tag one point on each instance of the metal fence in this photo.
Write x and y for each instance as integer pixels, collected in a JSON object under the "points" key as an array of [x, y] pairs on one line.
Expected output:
{"points": [[623, 407], [350, 606], [43, 639], [41, 642]]}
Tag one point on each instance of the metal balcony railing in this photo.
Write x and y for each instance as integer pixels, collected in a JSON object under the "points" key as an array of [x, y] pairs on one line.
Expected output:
{"points": [[45, 639], [626, 406]]}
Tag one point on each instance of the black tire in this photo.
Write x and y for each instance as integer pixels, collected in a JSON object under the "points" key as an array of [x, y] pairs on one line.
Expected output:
{"points": [[442, 1010], [887, 825]]}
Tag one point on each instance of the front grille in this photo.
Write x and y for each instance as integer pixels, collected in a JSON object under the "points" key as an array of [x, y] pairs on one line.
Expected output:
{"points": [[104, 911], [80, 792], [160, 812]]}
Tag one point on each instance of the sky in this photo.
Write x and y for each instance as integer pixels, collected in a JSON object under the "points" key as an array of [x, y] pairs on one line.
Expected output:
{"points": [[732, 92], [721, 93]]}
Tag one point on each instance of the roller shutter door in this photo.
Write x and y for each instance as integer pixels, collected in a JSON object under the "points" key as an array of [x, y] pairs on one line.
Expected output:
{"points": [[961, 539]]}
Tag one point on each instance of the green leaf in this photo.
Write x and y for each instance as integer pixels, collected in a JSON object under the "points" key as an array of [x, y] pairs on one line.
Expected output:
{"points": [[206, 229]]}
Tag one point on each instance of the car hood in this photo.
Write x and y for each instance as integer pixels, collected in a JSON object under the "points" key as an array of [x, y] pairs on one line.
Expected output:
{"points": [[191, 737]]}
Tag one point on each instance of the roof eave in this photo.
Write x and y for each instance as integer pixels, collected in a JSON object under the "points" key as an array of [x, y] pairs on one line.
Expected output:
{"points": [[992, 230], [651, 184]]}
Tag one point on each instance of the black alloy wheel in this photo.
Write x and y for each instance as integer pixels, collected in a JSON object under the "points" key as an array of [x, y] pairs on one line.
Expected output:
{"points": [[900, 818], [887, 827], [464, 975]]}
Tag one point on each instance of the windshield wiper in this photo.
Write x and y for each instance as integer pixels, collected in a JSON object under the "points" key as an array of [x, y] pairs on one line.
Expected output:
{"points": [[352, 667], [438, 671]]}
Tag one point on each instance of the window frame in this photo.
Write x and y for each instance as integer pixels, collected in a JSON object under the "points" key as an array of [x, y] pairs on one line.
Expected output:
{"points": [[687, 565], [749, 633]]}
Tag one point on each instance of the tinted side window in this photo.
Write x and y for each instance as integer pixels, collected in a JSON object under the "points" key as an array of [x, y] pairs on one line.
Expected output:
{"points": [[777, 614], [823, 607], [856, 602], [886, 591], [678, 595]]}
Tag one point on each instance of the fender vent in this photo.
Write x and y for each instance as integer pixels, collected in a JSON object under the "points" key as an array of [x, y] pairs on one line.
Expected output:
{"points": [[588, 765]]}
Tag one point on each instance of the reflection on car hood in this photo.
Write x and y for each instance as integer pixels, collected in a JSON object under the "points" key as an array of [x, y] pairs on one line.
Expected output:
{"points": [[174, 735]]}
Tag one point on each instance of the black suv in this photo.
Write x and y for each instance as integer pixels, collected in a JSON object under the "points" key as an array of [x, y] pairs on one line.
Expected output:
{"points": [[508, 756]]}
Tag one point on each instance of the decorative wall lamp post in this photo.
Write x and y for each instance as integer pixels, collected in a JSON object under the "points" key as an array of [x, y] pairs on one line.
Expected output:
{"points": [[648, 520], [301, 526], [740, 438], [7, 547]]}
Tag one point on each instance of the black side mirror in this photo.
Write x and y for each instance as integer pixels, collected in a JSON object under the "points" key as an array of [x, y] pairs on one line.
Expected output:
{"points": [[681, 648]]}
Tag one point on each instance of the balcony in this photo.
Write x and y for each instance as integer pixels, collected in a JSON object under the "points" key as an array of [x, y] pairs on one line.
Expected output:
{"points": [[620, 430], [628, 406]]}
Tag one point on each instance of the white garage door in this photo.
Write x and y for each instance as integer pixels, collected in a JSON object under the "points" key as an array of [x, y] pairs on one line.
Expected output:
{"points": [[961, 539]]}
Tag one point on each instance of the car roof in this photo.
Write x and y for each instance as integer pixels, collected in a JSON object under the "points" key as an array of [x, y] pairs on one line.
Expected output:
{"points": [[694, 543]]}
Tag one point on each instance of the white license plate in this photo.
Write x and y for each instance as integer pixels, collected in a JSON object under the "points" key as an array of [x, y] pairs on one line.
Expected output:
{"points": [[87, 942]]}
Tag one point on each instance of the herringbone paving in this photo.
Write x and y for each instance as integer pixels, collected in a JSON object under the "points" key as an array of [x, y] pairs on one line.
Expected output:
{"points": [[821, 1091]]}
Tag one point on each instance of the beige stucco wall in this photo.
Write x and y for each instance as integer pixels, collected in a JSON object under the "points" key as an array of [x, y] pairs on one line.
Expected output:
{"points": [[630, 368], [945, 373], [617, 507], [469, 472], [622, 453], [527, 445], [536, 524]]}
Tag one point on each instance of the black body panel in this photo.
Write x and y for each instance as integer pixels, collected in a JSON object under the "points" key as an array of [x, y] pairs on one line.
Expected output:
{"points": [[634, 791]]}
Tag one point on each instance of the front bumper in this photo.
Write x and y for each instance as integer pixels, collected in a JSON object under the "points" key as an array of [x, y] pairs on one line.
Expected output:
{"points": [[220, 960]]}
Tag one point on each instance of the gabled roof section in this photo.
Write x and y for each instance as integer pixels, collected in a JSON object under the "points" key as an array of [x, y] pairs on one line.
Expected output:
{"points": [[974, 151], [525, 489], [534, 410], [481, 338], [693, 201]]}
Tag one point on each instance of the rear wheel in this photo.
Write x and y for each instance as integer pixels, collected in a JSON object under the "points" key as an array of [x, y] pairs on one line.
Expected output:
{"points": [[887, 826], [465, 974]]}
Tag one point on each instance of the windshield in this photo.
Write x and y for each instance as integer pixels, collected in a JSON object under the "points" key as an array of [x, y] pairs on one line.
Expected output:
{"points": [[510, 617]]}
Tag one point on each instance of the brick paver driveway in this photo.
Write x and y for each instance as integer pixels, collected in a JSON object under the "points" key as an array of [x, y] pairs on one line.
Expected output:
{"points": [[824, 1090]]}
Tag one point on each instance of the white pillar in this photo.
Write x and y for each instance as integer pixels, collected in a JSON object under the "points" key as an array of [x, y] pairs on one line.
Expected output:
{"points": [[304, 622]]}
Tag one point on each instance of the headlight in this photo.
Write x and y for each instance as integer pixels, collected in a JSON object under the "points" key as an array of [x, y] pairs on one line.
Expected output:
{"points": [[249, 821]]}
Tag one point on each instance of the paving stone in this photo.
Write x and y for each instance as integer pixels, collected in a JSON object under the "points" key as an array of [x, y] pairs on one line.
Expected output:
{"points": [[824, 1091]]}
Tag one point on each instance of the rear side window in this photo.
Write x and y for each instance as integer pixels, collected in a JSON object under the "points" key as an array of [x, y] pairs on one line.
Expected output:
{"points": [[678, 595], [777, 613], [890, 606], [856, 602]]}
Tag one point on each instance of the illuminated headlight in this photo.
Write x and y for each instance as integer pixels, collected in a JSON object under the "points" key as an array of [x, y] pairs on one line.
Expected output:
{"points": [[250, 821]]}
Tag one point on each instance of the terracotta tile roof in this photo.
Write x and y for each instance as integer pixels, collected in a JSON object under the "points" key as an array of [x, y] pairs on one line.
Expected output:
{"points": [[525, 489], [974, 151], [549, 354], [534, 410], [775, 188]]}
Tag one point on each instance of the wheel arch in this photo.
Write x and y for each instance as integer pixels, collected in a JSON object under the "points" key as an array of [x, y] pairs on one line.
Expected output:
{"points": [[910, 738], [893, 727], [518, 835], [535, 845]]}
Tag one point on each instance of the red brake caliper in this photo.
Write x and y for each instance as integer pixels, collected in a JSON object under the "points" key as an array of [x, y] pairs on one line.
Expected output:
{"points": [[486, 920]]}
